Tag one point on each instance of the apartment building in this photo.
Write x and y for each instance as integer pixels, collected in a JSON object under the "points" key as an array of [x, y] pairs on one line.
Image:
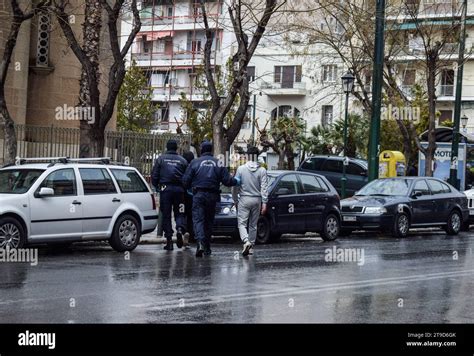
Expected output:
{"points": [[170, 50], [289, 84], [440, 16]]}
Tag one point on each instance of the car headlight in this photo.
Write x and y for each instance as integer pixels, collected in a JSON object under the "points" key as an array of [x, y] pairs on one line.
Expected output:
{"points": [[229, 210], [375, 210]]}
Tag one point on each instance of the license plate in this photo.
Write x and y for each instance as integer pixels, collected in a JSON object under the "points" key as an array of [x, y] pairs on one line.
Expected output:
{"points": [[349, 218]]}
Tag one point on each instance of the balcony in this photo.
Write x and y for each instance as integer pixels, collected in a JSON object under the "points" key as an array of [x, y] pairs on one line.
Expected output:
{"points": [[174, 93], [423, 8], [278, 89], [162, 59], [445, 90]]}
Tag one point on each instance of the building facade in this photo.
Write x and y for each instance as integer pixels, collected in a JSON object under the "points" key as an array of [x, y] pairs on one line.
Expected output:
{"points": [[170, 51], [44, 73], [416, 20]]}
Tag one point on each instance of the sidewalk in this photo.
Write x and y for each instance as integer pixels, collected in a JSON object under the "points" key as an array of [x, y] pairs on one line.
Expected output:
{"points": [[152, 239]]}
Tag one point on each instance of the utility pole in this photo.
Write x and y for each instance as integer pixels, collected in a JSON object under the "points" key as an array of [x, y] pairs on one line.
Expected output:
{"points": [[374, 139], [252, 140], [453, 173]]}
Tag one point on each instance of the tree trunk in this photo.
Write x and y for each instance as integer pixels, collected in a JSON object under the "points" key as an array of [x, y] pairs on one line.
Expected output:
{"points": [[5, 118], [89, 145], [431, 82], [10, 134], [290, 157], [218, 140], [281, 159]]}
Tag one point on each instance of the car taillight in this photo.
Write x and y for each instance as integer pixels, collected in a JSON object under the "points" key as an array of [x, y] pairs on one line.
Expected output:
{"points": [[153, 201]]}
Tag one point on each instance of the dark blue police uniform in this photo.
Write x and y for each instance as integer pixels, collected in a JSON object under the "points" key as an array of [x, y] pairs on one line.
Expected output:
{"points": [[167, 178], [205, 175]]}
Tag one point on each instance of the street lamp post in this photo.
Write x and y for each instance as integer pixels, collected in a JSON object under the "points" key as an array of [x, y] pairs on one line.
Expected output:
{"points": [[374, 139], [252, 139], [347, 86]]}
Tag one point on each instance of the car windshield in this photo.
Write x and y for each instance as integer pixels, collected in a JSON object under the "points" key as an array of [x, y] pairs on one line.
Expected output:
{"points": [[386, 187], [18, 181]]}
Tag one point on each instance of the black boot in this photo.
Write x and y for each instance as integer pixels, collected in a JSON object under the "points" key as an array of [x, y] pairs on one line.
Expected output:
{"points": [[169, 245], [179, 239], [200, 249], [207, 249]]}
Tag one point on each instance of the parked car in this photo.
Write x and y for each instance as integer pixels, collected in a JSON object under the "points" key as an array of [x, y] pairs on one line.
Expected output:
{"points": [[397, 204], [225, 223], [74, 200], [299, 202], [331, 167], [470, 199]]}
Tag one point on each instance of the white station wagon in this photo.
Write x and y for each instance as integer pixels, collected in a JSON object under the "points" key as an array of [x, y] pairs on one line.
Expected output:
{"points": [[70, 200]]}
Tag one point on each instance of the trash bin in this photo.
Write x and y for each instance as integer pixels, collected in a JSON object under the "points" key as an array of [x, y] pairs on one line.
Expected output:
{"points": [[392, 164]]}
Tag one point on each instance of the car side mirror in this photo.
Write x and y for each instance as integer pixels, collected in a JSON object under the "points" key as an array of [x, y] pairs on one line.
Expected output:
{"points": [[45, 192], [283, 191], [416, 194], [469, 186]]}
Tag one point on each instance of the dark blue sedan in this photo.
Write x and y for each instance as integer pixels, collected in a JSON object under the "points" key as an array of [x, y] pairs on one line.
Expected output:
{"points": [[299, 202], [395, 205]]}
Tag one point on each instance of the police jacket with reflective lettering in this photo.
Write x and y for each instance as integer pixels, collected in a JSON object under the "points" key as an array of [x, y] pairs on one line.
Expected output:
{"points": [[207, 173]]}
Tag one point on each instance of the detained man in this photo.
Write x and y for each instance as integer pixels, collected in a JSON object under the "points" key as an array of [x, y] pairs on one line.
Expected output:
{"points": [[251, 198]]}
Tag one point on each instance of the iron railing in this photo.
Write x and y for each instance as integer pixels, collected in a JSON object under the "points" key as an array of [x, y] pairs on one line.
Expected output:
{"points": [[137, 149]]}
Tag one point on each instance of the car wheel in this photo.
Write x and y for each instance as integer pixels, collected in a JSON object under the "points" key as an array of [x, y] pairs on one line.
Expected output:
{"points": [[264, 234], [12, 234], [401, 225], [331, 228], [126, 234], [454, 223]]}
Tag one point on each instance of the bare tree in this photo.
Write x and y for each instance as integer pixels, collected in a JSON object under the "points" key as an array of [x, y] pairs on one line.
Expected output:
{"points": [[248, 37], [92, 134], [19, 16], [347, 29]]}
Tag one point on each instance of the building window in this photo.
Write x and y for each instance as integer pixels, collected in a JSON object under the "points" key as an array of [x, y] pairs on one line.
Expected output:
{"points": [[288, 75], [251, 74], [162, 113], [329, 73], [446, 116], [285, 111], [447, 82], [42, 52], [327, 115]]}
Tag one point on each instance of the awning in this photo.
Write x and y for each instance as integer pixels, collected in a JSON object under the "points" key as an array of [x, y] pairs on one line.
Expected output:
{"points": [[154, 35], [410, 25], [445, 134]]}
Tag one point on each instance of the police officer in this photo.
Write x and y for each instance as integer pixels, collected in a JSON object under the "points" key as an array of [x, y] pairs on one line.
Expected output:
{"points": [[205, 175], [188, 202], [167, 179]]}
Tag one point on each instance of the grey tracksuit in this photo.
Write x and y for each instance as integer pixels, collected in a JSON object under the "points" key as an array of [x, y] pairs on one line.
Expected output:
{"points": [[249, 196]]}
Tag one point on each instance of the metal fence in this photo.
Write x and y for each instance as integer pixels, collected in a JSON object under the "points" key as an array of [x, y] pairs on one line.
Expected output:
{"points": [[139, 149]]}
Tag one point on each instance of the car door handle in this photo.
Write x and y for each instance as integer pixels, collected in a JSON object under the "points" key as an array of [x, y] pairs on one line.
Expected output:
{"points": [[116, 200], [76, 202]]}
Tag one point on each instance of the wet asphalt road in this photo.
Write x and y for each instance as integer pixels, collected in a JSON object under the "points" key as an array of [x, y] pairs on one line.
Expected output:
{"points": [[428, 277]]}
